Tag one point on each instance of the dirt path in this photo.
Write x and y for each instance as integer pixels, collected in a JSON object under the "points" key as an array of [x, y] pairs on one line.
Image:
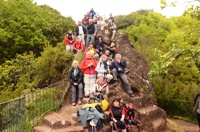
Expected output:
{"points": [[185, 126]]}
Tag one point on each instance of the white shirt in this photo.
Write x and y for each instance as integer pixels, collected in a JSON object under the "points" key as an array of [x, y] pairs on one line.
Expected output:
{"points": [[80, 30]]}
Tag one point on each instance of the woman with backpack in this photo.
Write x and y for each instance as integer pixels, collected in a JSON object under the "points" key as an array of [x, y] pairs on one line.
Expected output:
{"points": [[76, 79], [117, 116], [103, 68]]}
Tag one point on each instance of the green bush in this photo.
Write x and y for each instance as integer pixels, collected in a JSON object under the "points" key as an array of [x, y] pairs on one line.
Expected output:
{"points": [[171, 47], [25, 26]]}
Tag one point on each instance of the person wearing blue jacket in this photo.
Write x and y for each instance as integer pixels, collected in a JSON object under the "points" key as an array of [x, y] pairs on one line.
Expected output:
{"points": [[119, 68]]}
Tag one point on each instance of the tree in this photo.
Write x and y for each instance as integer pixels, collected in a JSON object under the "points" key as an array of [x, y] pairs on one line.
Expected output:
{"points": [[25, 27]]}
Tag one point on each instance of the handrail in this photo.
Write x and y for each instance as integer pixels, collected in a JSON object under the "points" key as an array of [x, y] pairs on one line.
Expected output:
{"points": [[23, 113]]}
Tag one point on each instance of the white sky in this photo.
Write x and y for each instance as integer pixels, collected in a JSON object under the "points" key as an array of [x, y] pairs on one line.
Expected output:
{"points": [[77, 8]]}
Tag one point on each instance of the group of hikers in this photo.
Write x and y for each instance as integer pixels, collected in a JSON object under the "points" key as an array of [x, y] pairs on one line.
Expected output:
{"points": [[101, 65]]}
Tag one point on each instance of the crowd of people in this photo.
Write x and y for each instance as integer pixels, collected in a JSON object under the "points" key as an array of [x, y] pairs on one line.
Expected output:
{"points": [[101, 65]]}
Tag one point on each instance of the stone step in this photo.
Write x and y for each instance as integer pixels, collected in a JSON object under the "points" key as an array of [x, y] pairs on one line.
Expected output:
{"points": [[68, 111], [42, 129], [66, 129], [69, 129], [159, 125], [54, 120], [151, 113]]}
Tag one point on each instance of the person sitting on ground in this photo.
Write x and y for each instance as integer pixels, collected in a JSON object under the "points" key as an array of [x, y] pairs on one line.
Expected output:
{"points": [[76, 78], [99, 46], [78, 45], [69, 40], [112, 28], [130, 116], [92, 13], [88, 66], [112, 18], [119, 67], [90, 49], [103, 68], [112, 48], [100, 23], [117, 113], [91, 32], [101, 87], [110, 59], [81, 31]]}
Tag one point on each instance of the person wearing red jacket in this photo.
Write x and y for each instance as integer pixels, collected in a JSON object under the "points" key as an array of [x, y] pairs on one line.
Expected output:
{"points": [[78, 45], [69, 40], [117, 113], [88, 66]]}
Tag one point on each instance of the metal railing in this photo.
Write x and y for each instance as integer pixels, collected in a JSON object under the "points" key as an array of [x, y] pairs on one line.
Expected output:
{"points": [[22, 114]]}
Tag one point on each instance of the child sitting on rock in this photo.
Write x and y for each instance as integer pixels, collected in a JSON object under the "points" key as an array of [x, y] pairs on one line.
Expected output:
{"points": [[101, 87]]}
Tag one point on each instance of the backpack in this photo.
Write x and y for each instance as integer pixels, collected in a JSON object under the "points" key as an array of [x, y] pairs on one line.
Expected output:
{"points": [[130, 116]]}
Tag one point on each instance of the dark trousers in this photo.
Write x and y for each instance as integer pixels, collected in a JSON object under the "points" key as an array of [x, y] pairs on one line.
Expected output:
{"points": [[124, 80], [120, 125], [198, 118]]}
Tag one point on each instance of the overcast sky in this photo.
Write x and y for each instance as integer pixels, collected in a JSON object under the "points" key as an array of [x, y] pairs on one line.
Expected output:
{"points": [[77, 8]]}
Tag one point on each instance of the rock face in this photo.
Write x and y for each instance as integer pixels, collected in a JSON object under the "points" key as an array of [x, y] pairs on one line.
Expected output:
{"points": [[153, 119], [105, 34]]}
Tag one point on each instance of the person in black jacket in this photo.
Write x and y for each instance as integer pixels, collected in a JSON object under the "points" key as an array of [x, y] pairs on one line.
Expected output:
{"points": [[117, 113], [76, 78], [119, 68], [99, 46], [81, 31], [91, 32]]}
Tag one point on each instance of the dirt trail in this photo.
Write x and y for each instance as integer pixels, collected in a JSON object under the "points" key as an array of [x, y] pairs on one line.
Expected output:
{"points": [[185, 126]]}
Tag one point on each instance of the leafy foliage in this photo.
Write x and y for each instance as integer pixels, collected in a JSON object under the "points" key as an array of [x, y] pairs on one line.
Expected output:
{"points": [[25, 27], [16, 75], [21, 75], [172, 48]]}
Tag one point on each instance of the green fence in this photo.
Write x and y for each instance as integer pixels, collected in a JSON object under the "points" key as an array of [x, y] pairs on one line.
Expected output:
{"points": [[178, 109], [21, 114]]}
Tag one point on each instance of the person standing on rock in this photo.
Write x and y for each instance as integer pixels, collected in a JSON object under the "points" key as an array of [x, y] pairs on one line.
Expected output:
{"points": [[119, 67], [91, 32], [81, 31], [88, 66], [112, 27], [112, 18], [69, 40], [197, 107], [76, 78]]}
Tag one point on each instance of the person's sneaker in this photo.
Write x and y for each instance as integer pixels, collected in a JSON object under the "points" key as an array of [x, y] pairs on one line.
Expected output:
{"points": [[79, 102], [131, 95], [74, 104], [115, 84]]}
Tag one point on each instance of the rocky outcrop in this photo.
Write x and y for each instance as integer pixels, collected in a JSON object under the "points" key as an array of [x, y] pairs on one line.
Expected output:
{"points": [[152, 117]]}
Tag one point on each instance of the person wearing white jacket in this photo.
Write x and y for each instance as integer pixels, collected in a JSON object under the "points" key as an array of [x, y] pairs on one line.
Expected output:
{"points": [[103, 68]]}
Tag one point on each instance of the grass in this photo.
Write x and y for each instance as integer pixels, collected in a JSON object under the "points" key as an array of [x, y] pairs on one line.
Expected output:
{"points": [[173, 126]]}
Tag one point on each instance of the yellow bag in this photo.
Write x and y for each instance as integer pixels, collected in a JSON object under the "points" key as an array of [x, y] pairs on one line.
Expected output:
{"points": [[104, 104]]}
